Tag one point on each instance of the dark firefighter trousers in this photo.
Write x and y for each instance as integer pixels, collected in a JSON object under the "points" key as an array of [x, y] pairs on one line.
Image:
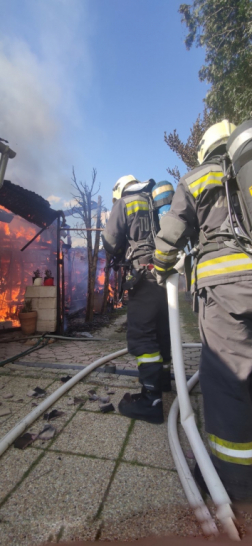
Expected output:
{"points": [[225, 321], [148, 334]]}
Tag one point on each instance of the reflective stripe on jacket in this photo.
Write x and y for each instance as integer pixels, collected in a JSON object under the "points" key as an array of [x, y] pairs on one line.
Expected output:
{"points": [[200, 203], [222, 266], [135, 206], [129, 223], [206, 180]]}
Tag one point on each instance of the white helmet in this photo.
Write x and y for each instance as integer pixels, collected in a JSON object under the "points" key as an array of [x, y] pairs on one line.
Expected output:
{"points": [[214, 137], [121, 184]]}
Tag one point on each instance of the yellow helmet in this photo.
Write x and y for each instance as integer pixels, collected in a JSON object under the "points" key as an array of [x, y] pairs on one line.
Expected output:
{"points": [[121, 184], [214, 136]]}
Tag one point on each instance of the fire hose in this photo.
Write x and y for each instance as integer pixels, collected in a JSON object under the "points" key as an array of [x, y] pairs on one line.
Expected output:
{"points": [[9, 438], [182, 402], [217, 491], [37, 345]]}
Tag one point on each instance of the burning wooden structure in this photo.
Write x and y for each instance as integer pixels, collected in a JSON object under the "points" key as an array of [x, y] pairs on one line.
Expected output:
{"points": [[75, 273], [32, 236], [30, 239]]}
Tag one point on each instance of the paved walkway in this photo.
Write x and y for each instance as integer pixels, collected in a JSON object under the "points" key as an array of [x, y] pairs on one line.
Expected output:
{"points": [[101, 476]]}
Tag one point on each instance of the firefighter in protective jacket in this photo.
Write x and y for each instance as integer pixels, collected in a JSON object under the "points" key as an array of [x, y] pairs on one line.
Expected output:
{"points": [[129, 235], [222, 280]]}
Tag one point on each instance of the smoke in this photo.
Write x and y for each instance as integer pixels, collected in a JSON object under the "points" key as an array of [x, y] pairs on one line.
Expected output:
{"points": [[39, 108], [53, 199]]}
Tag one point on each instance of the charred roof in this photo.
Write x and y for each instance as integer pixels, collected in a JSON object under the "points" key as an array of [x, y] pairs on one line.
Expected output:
{"points": [[27, 204]]}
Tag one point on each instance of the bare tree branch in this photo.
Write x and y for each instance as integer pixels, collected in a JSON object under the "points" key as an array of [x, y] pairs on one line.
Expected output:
{"points": [[83, 196]]}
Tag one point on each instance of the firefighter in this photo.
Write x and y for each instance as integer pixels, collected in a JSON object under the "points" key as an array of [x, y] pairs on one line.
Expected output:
{"points": [[129, 236], [222, 285]]}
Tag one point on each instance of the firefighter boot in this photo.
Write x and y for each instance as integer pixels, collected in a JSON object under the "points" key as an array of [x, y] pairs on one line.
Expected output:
{"points": [[165, 380], [166, 377], [147, 405]]}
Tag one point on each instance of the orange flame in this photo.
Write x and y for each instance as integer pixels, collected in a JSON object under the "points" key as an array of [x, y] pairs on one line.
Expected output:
{"points": [[15, 270]]}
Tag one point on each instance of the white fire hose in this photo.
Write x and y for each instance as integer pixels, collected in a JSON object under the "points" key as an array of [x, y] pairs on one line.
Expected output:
{"points": [[190, 488], [9, 438], [216, 489]]}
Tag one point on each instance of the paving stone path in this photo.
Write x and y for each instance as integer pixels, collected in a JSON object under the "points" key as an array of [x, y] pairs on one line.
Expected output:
{"points": [[101, 476]]}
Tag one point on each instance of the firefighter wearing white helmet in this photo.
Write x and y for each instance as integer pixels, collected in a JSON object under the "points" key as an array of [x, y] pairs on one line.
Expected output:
{"points": [[129, 236], [221, 284], [214, 138], [122, 184]]}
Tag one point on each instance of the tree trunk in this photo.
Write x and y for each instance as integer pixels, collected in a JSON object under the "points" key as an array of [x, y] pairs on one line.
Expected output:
{"points": [[92, 264], [89, 286]]}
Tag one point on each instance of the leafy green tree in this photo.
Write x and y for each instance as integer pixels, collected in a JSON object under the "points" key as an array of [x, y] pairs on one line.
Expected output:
{"points": [[187, 151], [224, 29]]}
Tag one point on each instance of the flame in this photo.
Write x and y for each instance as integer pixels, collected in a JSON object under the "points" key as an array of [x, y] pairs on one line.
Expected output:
{"points": [[6, 229], [16, 268], [9, 306], [101, 279], [26, 234]]}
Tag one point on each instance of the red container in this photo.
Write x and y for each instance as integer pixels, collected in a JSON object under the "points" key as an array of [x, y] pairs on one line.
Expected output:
{"points": [[48, 281]]}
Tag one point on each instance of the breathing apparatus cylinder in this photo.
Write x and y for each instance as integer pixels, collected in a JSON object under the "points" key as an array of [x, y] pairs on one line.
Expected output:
{"points": [[239, 149], [162, 194]]}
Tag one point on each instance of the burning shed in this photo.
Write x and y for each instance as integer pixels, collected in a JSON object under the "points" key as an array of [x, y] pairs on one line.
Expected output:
{"points": [[25, 248]]}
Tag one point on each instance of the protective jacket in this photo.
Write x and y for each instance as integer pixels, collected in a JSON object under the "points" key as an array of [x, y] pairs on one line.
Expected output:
{"points": [[199, 213], [128, 232]]}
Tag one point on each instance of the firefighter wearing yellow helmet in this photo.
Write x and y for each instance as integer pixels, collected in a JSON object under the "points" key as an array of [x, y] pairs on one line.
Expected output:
{"points": [[221, 282], [129, 236]]}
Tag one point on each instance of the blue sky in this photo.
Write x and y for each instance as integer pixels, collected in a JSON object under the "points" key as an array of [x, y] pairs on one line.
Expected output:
{"points": [[94, 84]]}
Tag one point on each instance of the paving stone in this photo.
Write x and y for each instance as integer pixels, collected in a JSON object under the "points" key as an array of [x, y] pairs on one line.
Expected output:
{"points": [[148, 444], [114, 398], [3, 384], [93, 434], [139, 491], [21, 385], [18, 412], [13, 464], [64, 493], [67, 490], [163, 522], [26, 371]]}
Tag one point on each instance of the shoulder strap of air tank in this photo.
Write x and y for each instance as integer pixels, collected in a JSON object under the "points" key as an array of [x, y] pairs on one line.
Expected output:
{"points": [[153, 216]]}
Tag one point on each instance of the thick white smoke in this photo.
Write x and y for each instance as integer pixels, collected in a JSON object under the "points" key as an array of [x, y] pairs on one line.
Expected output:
{"points": [[38, 106]]}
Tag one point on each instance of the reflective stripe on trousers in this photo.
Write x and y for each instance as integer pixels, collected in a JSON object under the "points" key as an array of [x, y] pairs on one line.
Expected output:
{"points": [[237, 453], [149, 358]]}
